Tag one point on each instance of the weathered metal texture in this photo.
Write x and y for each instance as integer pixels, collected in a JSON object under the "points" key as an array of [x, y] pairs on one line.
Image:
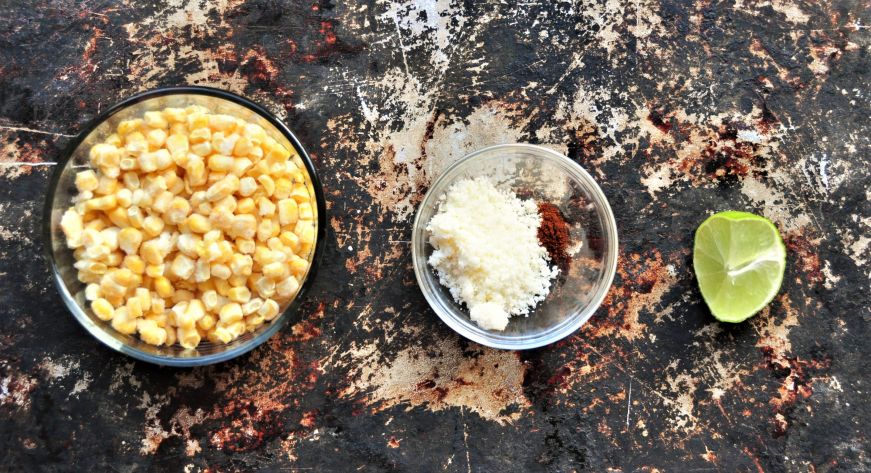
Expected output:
{"points": [[679, 109]]}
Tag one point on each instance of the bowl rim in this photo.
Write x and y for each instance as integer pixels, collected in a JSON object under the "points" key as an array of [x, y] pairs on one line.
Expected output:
{"points": [[581, 317], [100, 333]]}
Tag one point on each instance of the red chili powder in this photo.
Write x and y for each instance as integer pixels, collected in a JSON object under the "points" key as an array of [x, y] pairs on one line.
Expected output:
{"points": [[553, 234]]}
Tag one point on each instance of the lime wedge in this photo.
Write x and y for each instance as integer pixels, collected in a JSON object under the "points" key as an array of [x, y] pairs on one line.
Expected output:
{"points": [[739, 259]]}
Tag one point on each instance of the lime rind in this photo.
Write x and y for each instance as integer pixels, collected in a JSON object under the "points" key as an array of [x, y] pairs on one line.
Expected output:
{"points": [[739, 259]]}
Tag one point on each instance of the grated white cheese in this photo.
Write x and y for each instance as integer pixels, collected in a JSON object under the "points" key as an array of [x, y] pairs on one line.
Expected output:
{"points": [[487, 252]]}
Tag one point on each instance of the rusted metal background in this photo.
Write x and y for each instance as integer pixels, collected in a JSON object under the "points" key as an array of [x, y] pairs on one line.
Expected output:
{"points": [[679, 109]]}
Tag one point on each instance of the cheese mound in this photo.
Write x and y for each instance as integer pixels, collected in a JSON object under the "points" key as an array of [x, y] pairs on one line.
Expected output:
{"points": [[487, 252]]}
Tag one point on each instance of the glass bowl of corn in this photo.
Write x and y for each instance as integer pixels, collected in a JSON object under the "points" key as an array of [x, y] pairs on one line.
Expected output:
{"points": [[184, 226]]}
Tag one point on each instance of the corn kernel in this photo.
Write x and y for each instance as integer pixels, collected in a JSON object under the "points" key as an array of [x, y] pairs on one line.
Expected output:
{"points": [[239, 294], [220, 271], [269, 309], [305, 211], [288, 212], [265, 287], [182, 267], [201, 149], [266, 207], [200, 135], [243, 226], [123, 321], [223, 188], [207, 322], [188, 338], [230, 313], [290, 241], [245, 246], [222, 334], [102, 309], [222, 286], [152, 226], [134, 307], [276, 270], [155, 270], [252, 306], [163, 287], [135, 264], [247, 186], [178, 210], [240, 166], [156, 138], [103, 154], [71, 224], [107, 202], [219, 122], [267, 183], [203, 270], [86, 181], [156, 120], [150, 332], [298, 266]]}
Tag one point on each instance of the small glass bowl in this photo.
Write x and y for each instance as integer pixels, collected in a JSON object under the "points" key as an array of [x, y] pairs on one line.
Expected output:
{"points": [[546, 176], [62, 190]]}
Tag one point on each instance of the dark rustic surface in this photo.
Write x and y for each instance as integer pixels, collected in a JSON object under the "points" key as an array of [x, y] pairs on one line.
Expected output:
{"points": [[680, 109]]}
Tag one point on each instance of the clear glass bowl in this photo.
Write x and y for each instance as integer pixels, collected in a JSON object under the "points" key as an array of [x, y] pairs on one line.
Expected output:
{"points": [[62, 190], [546, 176]]}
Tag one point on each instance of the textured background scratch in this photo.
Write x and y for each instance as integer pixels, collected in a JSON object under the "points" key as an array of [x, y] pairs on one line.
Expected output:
{"points": [[680, 109]]}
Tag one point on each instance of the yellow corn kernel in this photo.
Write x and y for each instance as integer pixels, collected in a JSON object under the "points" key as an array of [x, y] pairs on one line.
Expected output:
{"points": [[144, 296], [156, 138], [224, 144], [298, 266], [220, 271], [264, 286], [123, 321], [290, 241], [264, 230], [222, 334], [305, 211], [210, 300], [246, 245], [269, 309], [115, 299], [174, 115], [247, 186], [252, 306], [220, 122], [283, 188], [134, 307], [262, 168], [107, 202], [200, 135], [134, 263], [152, 226], [171, 335], [195, 310], [288, 211], [104, 154], [222, 286], [114, 258], [203, 270], [182, 267], [118, 217], [155, 270], [158, 305], [239, 294], [300, 194], [266, 207], [237, 280], [124, 197], [71, 224], [223, 188], [123, 277], [187, 245], [220, 163], [201, 149], [267, 183], [243, 226], [240, 166], [241, 264], [129, 240], [273, 151], [156, 120], [231, 313], [255, 133], [253, 321], [102, 309], [245, 206], [188, 338], [150, 332], [182, 295], [227, 204], [129, 126], [178, 210], [177, 145], [92, 292], [106, 186], [162, 201], [86, 181], [276, 270], [242, 147], [237, 328], [207, 322], [163, 287]]}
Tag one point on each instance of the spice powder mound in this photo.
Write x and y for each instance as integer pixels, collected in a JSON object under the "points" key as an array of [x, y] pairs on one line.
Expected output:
{"points": [[553, 234]]}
